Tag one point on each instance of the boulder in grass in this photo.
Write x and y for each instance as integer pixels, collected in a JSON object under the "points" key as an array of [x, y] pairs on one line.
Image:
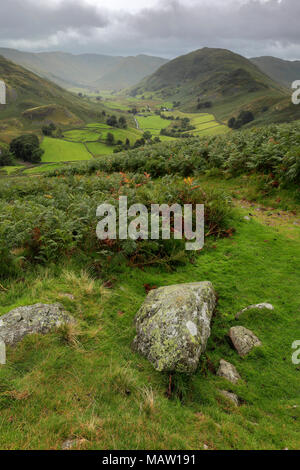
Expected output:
{"points": [[38, 318], [231, 397], [256, 306], [228, 371], [173, 326], [243, 340]]}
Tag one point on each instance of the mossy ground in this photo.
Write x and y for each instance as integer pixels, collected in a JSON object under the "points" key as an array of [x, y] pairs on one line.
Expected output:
{"points": [[88, 384]]}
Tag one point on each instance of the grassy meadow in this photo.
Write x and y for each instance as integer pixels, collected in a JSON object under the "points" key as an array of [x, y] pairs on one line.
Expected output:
{"points": [[87, 384]]}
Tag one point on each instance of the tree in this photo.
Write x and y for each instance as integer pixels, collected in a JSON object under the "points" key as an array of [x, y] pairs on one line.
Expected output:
{"points": [[112, 121], [231, 123], [6, 157], [48, 130], [122, 123], [147, 136], [27, 148], [110, 140]]}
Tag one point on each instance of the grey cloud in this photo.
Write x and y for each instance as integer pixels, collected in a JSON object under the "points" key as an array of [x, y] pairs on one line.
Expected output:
{"points": [[25, 19], [173, 27]]}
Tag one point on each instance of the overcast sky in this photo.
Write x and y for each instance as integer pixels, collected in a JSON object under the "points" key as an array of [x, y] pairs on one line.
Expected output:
{"points": [[165, 28]]}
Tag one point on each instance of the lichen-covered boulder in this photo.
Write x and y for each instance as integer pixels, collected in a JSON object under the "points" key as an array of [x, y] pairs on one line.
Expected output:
{"points": [[38, 318], [173, 326], [243, 340]]}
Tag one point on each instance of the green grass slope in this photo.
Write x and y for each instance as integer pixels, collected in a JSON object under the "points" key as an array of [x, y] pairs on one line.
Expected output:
{"points": [[229, 81], [282, 71], [86, 383], [129, 72], [32, 100]]}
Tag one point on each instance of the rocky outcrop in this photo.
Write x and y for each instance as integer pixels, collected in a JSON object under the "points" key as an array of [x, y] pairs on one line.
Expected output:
{"points": [[228, 371], [243, 340], [173, 326], [23, 321], [256, 306]]}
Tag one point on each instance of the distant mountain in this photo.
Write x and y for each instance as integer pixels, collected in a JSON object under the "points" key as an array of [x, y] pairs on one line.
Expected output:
{"points": [[32, 101], [282, 71], [86, 70], [129, 71], [220, 80]]}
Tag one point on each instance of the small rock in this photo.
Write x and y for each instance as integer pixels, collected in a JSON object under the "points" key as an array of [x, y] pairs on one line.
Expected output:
{"points": [[228, 371], [67, 296], [230, 396], [247, 218], [70, 443], [205, 447], [243, 340], [2, 352], [173, 326], [256, 306], [38, 318]]}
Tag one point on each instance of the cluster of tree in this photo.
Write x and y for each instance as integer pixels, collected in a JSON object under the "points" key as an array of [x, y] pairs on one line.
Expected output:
{"points": [[146, 139], [169, 118], [6, 157], [112, 121], [243, 118], [178, 130], [204, 104], [48, 130], [133, 111], [120, 146], [26, 148]]}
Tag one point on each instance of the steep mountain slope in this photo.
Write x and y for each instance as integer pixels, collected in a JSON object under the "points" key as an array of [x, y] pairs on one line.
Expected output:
{"points": [[225, 81], [282, 71], [86, 70], [32, 100], [129, 71]]}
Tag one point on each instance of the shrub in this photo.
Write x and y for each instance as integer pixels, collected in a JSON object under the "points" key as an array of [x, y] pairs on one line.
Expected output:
{"points": [[27, 148]]}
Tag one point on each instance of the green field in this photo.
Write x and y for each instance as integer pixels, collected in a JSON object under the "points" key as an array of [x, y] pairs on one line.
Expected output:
{"points": [[10, 169], [57, 150], [43, 168], [98, 148], [152, 123], [204, 123]]}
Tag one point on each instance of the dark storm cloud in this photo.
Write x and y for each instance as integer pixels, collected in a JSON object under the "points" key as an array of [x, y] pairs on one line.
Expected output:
{"points": [[173, 27], [272, 21], [27, 19]]}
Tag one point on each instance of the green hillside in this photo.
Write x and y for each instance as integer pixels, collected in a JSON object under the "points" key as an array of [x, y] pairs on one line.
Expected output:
{"points": [[86, 70], [225, 81], [282, 71], [129, 72], [32, 101]]}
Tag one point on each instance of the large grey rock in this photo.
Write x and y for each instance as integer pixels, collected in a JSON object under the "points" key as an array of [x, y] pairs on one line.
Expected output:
{"points": [[243, 340], [256, 306], [38, 318], [173, 326], [2, 352], [228, 371]]}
